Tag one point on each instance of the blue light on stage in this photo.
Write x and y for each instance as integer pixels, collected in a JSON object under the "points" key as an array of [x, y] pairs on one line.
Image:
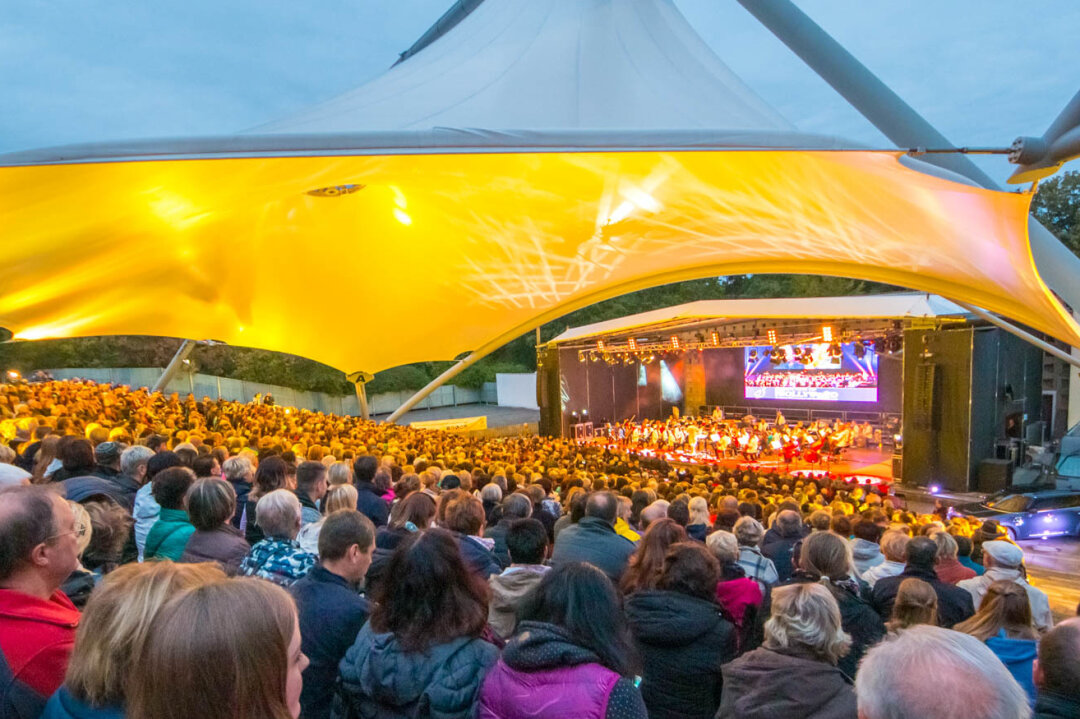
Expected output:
{"points": [[642, 380]]}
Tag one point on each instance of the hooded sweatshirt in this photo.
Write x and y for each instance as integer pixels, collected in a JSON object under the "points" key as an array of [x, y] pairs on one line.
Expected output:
{"points": [[507, 591], [867, 554], [783, 684], [683, 641], [1018, 656]]}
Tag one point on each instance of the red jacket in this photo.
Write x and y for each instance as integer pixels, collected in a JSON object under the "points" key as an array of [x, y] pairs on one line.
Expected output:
{"points": [[37, 636], [952, 571]]}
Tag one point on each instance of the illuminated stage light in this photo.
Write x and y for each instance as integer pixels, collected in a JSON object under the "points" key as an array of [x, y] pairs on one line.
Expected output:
{"points": [[675, 342], [826, 333], [715, 337], [600, 345], [771, 334], [633, 343]]}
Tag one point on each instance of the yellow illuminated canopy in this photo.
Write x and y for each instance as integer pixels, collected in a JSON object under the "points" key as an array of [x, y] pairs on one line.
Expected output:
{"points": [[369, 261]]}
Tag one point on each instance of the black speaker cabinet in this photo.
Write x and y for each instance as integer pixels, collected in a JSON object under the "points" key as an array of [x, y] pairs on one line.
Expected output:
{"points": [[994, 475]]}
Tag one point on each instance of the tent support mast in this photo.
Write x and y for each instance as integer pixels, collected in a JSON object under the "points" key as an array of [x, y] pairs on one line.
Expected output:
{"points": [[174, 364], [439, 381], [1022, 334]]}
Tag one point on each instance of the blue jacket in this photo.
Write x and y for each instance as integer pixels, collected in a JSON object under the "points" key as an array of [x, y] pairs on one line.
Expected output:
{"points": [[62, 705], [369, 503], [477, 557], [1018, 656], [331, 614]]}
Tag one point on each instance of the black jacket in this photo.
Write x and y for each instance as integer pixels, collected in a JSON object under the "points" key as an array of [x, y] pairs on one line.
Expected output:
{"points": [[857, 617], [769, 684], [954, 604], [779, 550], [126, 487], [331, 614], [371, 504], [594, 541], [386, 541], [1055, 706], [242, 489], [683, 642], [501, 551]]}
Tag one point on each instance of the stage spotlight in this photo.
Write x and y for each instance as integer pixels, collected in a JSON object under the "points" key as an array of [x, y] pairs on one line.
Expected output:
{"points": [[771, 334], [600, 345], [879, 345], [633, 343], [826, 333], [896, 343], [675, 342], [715, 337], [581, 356]]}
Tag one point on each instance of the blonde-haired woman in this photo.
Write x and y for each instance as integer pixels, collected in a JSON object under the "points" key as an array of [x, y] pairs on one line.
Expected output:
{"points": [[1004, 622], [111, 634], [916, 603], [339, 496], [221, 651], [794, 672]]}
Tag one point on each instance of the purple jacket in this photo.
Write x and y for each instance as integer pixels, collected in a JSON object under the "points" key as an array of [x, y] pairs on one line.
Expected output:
{"points": [[543, 675]]}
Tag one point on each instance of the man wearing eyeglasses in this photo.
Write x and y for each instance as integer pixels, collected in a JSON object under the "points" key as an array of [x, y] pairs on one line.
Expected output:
{"points": [[38, 550]]}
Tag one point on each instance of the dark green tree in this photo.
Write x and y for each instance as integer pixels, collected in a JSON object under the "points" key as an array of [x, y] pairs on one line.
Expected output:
{"points": [[1057, 206]]}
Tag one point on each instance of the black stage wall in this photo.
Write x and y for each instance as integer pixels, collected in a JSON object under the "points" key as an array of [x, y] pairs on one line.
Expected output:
{"points": [[599, 392], [967, 390]]}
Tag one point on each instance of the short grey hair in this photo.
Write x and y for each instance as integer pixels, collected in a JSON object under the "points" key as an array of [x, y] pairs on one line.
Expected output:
{"points": [[724, 546], [237, 468], [132, 457], [7, 454], [491, 492], [968, 679], [278, 514], [947, 547], [807, 616], [749, 531], [894, 545], [699, 511]]}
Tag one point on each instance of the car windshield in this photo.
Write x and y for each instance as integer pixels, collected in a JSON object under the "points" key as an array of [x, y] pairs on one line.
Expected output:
{"points": [[1010, 503]]}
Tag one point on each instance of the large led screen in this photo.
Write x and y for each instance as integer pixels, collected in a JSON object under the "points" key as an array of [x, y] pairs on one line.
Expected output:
{"points": [[819, 372]]}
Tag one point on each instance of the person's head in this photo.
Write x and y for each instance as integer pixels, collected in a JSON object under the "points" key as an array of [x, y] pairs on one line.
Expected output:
{"points": [[867, 531], [107, 454], [171, 485], [346, 544], [311, 479], [272, 474], [946, 546], [465, 514], [527, 541], [921, 552], [724, 546], [748, 531], [427, 596], [648, 559], [206, 465], [819, 520], [278, 514], [1000, 553], [1057, 670], [516, 506], [825, 554], [115, 623], [1005, 606], [364, 468], [789, 524], [581, 600], [806, 617], [654, 512], [491, 492], [238, 469], [916, 603], [699, 511], [339, 473], [963, 545], [680, 512], [160, 462], [966, 678], [894, 545], [602, 505], [77, 455], [244, 660], [110, 526], [210, 503], [39, 540], [689, 568], [340, 496], [417, 510]]}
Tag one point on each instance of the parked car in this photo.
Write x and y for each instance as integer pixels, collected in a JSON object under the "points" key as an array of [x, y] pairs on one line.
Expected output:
{"points": [[1030, 515]]}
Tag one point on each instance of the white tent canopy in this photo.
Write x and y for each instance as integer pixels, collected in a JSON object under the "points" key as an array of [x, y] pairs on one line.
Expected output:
{"points": [[896, 305]]}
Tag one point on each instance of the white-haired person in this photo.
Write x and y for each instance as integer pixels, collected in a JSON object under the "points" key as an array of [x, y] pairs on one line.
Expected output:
{"points": [[794, 673], [929, 671], [279, 557], [894, 547]]}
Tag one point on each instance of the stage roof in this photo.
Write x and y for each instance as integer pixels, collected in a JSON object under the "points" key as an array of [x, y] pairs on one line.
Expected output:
{"points": [[615, 152], [897, 305]]}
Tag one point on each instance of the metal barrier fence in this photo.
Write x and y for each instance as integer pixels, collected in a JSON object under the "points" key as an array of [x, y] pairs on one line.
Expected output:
{"points": [[203, 385]]}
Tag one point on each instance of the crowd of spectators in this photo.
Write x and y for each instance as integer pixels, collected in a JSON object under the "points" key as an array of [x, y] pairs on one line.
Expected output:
{"points": [[166, 557]]}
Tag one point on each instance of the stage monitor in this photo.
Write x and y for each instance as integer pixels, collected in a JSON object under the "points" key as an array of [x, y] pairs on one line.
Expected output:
{"points": [[817, 372]]}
